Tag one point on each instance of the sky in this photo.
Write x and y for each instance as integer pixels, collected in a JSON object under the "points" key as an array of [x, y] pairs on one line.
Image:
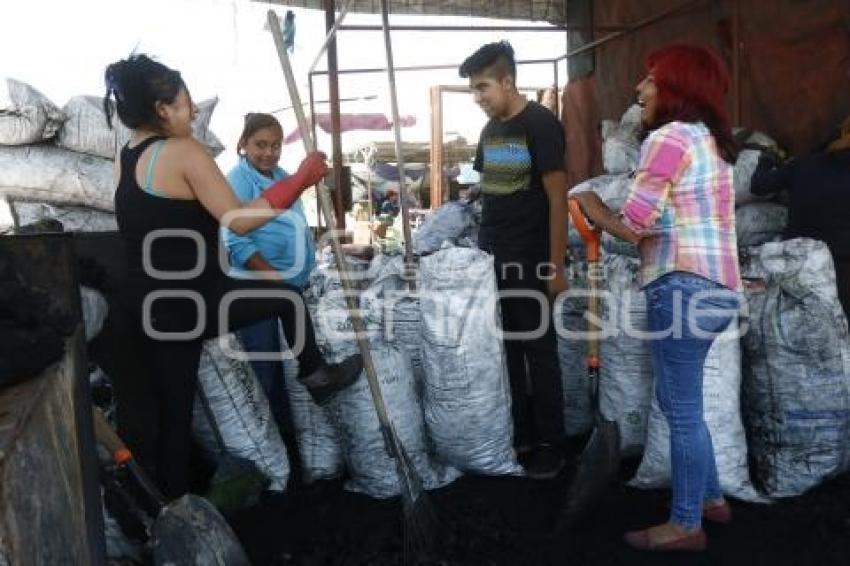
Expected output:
{"points": [[61, 47]]}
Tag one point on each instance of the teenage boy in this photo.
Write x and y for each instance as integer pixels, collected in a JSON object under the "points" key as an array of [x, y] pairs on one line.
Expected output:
{"points": [[524, 226]]}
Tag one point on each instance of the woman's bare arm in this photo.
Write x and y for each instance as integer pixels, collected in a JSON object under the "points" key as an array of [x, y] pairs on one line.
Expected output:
{"points": [[214, 192]]}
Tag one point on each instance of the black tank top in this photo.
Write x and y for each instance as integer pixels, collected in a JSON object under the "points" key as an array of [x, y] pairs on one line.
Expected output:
{"points": [[139, 213]]}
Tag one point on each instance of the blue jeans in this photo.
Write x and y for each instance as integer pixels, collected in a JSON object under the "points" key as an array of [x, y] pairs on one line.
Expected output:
{"points": [[688, 311], [264, 337]]}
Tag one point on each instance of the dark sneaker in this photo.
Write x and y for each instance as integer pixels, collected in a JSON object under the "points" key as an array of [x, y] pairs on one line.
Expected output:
{"points": [[546, 462], [328, 380]]}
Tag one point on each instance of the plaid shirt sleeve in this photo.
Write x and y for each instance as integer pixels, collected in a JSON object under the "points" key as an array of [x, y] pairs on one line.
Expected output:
{"points": [[664, 157]]}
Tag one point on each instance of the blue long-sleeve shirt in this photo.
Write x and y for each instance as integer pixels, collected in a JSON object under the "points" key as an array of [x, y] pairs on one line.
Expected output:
{"points": [[285, 242]]}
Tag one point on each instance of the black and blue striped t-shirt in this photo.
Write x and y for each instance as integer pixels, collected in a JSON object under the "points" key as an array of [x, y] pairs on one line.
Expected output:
{"points": [[512, 157]]}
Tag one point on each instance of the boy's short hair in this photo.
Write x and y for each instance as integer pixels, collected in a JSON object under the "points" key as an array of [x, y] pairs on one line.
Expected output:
{"points": [[497, 59]]}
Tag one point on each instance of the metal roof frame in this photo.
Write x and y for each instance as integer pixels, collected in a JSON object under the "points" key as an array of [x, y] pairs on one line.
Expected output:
{"points": [[553, 11], [443, 7]]}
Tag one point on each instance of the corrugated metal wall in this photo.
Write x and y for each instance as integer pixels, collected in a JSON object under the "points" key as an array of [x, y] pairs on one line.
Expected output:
{"points": [[794, 78]]}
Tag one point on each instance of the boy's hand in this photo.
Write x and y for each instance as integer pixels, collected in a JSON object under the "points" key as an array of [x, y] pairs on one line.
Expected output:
{"points": [[557, 285]]}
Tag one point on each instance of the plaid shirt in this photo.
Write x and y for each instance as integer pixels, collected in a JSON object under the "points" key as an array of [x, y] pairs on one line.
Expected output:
{"points": [[682, 204]]}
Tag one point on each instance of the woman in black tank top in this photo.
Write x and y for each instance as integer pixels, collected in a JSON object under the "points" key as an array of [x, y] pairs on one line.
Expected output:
{"points": [[176, 284]]}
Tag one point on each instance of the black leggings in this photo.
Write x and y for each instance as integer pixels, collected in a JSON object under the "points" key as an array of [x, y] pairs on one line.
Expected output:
{"points": [[155, 405]]}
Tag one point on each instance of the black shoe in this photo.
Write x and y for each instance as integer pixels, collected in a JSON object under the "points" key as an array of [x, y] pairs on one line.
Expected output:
{"points": [[328, 380], [523, 440], [523, 448], [546, 462]]}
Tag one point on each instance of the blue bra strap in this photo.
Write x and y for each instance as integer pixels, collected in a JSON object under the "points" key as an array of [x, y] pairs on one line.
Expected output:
{"points": [[157, 147]]}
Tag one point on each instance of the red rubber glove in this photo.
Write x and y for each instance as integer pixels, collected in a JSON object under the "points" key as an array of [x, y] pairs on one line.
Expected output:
{"points": [[283, 193]]}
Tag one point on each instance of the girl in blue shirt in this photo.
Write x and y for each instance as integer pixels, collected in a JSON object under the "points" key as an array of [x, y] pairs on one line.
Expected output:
{"points": [[281, 249]]}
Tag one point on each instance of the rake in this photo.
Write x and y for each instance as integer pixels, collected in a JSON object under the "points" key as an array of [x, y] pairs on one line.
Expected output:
{"points": [[419, 518]]}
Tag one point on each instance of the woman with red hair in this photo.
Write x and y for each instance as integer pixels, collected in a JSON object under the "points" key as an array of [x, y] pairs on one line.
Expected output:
{"points": [[681, 214]]}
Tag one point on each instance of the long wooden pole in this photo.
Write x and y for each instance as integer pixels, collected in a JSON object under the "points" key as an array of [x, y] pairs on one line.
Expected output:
{"points": [[399, 153], [324, 202]]}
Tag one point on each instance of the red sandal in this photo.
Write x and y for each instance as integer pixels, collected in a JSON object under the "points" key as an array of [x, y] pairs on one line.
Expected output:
{"points": [[691, 542], [721, 513]]}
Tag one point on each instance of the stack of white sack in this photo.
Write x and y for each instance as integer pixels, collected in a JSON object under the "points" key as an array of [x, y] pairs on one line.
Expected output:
{"points": [[371, 469], [47, 174], [71, 180], [86, 130]]}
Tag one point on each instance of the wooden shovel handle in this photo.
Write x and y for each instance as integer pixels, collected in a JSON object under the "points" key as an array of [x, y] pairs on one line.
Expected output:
{"points": [[109, 439]]}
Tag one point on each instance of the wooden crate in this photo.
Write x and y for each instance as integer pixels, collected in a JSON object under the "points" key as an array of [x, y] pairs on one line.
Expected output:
{"points": [[50, 509]]}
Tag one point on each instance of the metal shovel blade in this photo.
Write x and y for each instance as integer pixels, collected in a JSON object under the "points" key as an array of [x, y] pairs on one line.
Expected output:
{"points": [[597, 469], [191, 531]]}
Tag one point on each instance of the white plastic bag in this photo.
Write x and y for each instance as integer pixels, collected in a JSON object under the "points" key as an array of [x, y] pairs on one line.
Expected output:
{"points": [[797, 367], [449, 223], [240, 409], [86, 131], [26, 115], [318, 440], [352, 411], [466, 396]]}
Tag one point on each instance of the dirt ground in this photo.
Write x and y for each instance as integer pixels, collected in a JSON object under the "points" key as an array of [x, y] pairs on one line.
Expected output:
{"points": [[505, 520]]}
